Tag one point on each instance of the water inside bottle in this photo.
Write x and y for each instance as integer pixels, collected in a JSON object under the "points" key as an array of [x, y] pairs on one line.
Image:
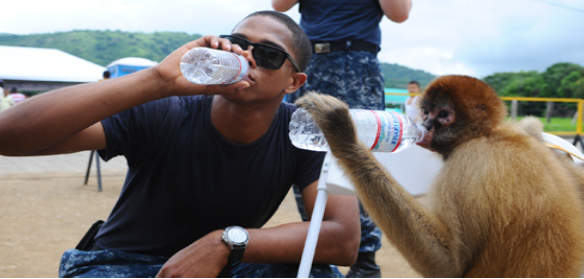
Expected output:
{"points": [[209, 66], [384, 131]]}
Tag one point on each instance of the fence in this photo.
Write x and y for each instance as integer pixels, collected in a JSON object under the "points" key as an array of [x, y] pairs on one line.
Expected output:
{"points": [[560, 116]]}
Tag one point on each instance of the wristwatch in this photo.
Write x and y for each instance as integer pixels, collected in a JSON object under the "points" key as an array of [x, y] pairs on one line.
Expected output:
{"points": [[236, 238]]}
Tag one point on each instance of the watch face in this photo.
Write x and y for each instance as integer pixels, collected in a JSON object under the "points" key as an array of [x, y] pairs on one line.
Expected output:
{"points": [[237, 235]]}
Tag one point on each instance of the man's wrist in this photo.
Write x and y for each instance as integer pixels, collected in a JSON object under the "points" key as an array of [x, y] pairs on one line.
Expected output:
{"points": [[162, 86], [222, 247]]}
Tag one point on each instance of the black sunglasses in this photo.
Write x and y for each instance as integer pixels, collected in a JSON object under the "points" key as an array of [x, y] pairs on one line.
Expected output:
{"points": [[265, 56]]}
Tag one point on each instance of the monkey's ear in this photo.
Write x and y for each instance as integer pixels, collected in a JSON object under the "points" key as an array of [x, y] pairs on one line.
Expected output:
{"points": [[296, 80]]}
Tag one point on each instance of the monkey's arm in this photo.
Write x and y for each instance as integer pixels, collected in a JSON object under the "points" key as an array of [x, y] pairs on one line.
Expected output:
{"points": [[421, 237]]}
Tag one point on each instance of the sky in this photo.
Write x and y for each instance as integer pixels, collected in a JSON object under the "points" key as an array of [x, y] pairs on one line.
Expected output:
{"points": [[470, 37]]}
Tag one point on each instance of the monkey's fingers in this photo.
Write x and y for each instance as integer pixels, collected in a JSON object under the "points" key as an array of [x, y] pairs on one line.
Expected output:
{"points": [[333, 118]]}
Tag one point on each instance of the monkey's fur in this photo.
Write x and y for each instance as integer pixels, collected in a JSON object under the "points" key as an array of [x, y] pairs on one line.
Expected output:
{"points": [[502, 206]]}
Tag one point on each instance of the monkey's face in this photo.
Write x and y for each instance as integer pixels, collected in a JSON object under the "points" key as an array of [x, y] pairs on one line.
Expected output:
{"points": [[456, 109], [439, 119]]}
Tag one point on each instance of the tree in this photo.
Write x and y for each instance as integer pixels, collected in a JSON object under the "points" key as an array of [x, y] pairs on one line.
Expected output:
{"points": [[525, 84], [554, 75], [579, 90], [521, 84], [568, 85]]}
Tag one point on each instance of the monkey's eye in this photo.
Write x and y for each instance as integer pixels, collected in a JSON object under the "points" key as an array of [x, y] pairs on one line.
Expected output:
{"points": [[443, 114]]}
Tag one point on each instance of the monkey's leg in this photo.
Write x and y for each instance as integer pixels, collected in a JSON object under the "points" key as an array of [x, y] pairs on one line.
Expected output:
{"points": [[420, 236]]}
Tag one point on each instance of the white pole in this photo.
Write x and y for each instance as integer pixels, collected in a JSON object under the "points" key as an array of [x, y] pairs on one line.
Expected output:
{"points": [[313, 231]]}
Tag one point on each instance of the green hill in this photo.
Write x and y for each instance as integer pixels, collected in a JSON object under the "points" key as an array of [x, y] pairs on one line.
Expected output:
{"points": [[397, 76], [104, 47]]}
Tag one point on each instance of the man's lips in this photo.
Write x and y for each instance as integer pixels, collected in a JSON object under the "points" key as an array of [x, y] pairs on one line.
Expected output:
{"points": [[249, 78]]}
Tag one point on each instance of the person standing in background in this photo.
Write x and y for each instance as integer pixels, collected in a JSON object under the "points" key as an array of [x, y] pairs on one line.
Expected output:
{"points": [[411, 106], [16, 96], [346, 38]]}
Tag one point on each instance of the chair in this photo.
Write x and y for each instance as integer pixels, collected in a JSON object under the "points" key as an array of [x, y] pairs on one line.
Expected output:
{"points": [[333, 181], [98, 169]]}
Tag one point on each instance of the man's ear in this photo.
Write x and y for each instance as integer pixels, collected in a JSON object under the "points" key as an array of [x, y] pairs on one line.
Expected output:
{"points": [[297, 80]]}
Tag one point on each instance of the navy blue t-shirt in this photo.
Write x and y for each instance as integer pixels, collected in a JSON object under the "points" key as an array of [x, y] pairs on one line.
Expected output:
{"points": [[185, 179], [342, 20]]}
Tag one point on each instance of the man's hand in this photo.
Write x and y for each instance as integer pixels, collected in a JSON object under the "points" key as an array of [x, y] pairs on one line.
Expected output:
{"points": [[205, 258], [283, 5], [397, 11], [169, 69]]}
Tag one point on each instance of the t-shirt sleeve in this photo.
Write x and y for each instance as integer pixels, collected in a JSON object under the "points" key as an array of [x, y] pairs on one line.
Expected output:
{"points": [[310, 166], [131, 132]]}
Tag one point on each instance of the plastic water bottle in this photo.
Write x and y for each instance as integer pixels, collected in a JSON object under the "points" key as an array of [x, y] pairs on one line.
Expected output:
{"points": [[212, 66], [386, 131]]}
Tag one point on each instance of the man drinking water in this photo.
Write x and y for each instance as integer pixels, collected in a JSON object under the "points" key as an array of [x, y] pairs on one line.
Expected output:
{"points": [[208, 165]]}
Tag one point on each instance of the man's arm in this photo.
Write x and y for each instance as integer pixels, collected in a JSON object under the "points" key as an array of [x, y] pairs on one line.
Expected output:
{"points": [[283, 5], [338, 241], [51, 123], [396, 10]]}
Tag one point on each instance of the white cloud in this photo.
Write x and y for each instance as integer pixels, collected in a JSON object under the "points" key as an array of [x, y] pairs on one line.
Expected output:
{"points": [[442, 37]]}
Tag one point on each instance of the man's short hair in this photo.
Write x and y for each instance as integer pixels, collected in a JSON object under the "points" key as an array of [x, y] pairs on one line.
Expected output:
{"points": [[414, 82], [106, 74], [13, 90], [300, 42]]}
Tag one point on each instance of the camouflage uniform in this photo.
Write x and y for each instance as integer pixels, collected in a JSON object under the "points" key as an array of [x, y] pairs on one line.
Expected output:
{"points": [[354, 77], [113, 263]]}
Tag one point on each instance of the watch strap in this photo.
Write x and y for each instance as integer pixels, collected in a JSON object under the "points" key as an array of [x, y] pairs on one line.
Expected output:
{"points": [[236, 253]]}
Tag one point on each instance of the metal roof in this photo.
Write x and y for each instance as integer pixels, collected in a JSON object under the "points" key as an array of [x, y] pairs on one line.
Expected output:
{"points": [[133, 61], [46, 64]]}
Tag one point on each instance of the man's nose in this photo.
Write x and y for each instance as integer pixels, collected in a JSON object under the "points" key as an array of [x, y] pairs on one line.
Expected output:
{"points": [[247, 54]]}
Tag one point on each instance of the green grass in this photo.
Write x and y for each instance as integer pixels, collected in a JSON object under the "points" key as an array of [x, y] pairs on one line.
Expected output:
{"points": [[557, 124]]}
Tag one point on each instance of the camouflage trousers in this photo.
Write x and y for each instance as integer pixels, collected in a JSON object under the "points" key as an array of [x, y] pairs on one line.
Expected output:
{"points": [[354, 77], [116, 264], [351, 76]]}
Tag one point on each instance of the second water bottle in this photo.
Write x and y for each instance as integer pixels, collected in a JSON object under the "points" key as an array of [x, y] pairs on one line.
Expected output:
{"points": [[387, 131]]}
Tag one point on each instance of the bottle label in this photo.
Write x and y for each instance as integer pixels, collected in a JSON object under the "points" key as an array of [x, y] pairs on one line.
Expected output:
{"points": [[243, 67], [389, 131]]}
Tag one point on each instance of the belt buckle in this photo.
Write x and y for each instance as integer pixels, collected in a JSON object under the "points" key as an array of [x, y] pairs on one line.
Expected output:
{"points": [[322, 48]]}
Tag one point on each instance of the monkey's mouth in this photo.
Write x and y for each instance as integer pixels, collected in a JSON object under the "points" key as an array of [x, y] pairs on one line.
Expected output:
{"points": [[426, 141]]}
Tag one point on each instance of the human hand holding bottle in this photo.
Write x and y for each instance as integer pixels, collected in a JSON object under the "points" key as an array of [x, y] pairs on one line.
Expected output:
{"points": [[177, 84]]}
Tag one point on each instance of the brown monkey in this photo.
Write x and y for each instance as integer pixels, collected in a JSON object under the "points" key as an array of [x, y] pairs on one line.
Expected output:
{"points": [[502, 206]]}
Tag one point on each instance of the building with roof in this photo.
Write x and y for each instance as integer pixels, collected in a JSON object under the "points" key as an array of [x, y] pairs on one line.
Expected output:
{"points": [[128, 65], [42, 69]]}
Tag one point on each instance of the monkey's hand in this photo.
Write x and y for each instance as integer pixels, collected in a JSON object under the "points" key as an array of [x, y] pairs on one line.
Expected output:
{"points": [[333, 118]]}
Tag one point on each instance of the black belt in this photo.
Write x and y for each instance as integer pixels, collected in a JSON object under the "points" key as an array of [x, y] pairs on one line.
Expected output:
{"points": [[326, 47]]}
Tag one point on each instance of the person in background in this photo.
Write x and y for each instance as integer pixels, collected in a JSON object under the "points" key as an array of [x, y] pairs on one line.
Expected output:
{"points": [[411, 105], [106, 75], [346, 38], [16, 96], [6, 101]]}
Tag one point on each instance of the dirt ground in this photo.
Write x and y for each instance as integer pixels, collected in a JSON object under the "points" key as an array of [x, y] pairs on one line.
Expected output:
{"points": [[43, 214]]}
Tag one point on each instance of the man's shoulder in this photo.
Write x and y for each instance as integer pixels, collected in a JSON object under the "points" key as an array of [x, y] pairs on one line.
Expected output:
{"points": [[287, 108]]}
